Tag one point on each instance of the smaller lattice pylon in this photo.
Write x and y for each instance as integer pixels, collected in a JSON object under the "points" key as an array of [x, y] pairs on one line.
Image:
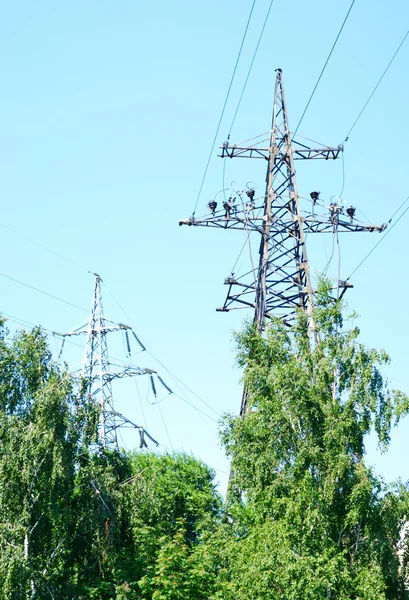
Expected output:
{"points": [[97, 374]]}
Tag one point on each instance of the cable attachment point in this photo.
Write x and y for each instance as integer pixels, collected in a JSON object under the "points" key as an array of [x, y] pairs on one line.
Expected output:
{"points": [[212, 206], [229, 207], [335, 210], [351, 212]]}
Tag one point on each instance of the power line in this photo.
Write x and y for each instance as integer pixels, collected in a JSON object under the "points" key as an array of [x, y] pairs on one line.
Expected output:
{"points": [[155, 356], [224, 106], [377, 85], [164, 425], [324, 67], [398, 209], [251, 67], [383, 237], [343, 176], [43, 292], [195, 407], [23, 322], [44, 247]]}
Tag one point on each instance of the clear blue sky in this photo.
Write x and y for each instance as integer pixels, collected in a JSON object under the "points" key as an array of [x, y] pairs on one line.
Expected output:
{"points": [[108, 110]]}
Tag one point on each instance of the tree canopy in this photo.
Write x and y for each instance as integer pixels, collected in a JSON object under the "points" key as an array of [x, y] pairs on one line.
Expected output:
{"points": [[306, 517], [313, 520], [78, 521]]}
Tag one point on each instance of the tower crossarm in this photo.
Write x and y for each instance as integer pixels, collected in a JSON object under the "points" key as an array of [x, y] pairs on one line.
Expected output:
{"points": [[127, 371], [242, 220], [317, 225], [299, 151], [96, 327]]}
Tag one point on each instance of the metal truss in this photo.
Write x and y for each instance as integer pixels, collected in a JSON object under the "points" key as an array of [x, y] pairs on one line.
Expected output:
{"points": [[280, 285], [97, 374]]}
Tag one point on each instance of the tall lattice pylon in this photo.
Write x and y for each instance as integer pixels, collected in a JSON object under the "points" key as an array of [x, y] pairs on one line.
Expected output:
{"points": [[97, 374], [281, 284]]}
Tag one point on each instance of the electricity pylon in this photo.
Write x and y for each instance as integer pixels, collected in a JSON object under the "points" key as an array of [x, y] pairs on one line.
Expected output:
{"points": [[97, 374], [281, 284]]}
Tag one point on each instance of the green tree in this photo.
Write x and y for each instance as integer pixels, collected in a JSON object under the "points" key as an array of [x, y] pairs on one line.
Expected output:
{"points": [[175, 511], [78, 521], [149, 528], [39, 440], [311, 520]]}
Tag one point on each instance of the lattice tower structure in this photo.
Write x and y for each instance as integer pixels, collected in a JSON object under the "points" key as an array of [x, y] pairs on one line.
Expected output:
{"points": [[281, 285], [97, 373]]}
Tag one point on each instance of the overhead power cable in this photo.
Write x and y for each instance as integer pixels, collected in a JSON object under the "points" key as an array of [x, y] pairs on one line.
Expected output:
{"points": [[224, 106], [195, 407], [377, 85], [32, 287], [162, 365], [343, 176], [384, 236], [324, 67], [251, 66], [164, 425], [44, 247]]}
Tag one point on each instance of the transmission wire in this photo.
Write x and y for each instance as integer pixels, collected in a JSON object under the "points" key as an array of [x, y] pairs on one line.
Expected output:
{"points": [[44, 247], [159, 361], [332, 253], [141, 404], [195, 407], [383, 237], [238, 257], [250, 68], [32, 287], [224, 107], [343, 176], [324, 67], [164, 425], [377, 85]]}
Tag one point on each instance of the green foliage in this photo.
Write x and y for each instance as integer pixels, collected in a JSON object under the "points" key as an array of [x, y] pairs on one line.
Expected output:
{"points": [[180, 571], [306, 517], [37, 454], [77, 521], [317, 522], [175, 506]]}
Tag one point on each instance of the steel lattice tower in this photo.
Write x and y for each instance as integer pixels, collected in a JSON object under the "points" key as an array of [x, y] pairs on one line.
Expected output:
{"points": [[97, 374], [281, 284]]}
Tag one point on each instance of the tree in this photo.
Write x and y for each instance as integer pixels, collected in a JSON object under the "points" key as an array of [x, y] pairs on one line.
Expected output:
{"points": [[175, 510], [79, 521], [311, 520], [39, 439]]}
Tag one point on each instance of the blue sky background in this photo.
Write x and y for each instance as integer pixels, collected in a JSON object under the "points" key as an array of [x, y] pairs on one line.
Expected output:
{"points": [[107, 114]]}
